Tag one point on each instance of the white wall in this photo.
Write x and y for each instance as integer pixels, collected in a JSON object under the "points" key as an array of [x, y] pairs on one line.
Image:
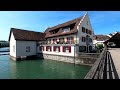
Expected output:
{"points": [[83, 23], [58, 53], [21, 48], [95, 42], [12, 43]]}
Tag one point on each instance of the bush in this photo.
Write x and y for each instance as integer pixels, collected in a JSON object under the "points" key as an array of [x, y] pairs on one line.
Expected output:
{"points": [[100, 46]]}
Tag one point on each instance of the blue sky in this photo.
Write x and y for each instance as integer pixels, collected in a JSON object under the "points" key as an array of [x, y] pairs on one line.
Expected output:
{"points": [[103, 22]]}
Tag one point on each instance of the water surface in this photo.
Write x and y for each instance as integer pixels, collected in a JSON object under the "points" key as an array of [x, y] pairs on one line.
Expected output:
{"points": [[40, 69]]}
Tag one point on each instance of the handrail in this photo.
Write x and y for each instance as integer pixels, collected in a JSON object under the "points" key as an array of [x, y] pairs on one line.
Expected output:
{"points": [[97, 68]]}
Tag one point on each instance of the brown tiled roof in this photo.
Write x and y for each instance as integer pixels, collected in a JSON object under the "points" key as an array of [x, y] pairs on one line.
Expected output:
{"points": [[59, 33], [25, 35], [115, 37], [100, 37]]}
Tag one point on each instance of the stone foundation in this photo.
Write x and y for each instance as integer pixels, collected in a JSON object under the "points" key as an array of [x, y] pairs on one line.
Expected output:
{"points": [[23, 58], [69, 59]]}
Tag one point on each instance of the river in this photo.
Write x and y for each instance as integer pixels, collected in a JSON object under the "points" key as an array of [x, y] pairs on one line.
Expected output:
{"points": [[40, 69]]}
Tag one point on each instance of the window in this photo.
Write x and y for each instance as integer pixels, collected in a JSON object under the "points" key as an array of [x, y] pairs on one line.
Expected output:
{"points": [[49, 41], [90, 40], [82, 48], [57, 48], [48, 48], [83, 39], [66, 29], [13, 48], [27, 48], [41, 48], [90, 48], [61, 40], [83, 29], [87, 31], [90, 32], [54, 41], [67, 49], [70, 40], [54, 31]]}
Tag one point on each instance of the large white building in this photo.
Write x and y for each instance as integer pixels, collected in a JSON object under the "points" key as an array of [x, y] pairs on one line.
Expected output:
{"points": [[67, 39]]}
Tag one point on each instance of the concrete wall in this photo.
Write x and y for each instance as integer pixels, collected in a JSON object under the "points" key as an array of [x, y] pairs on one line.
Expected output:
{"points": [[12, 43], [21, 48], [69, 59], [58, 53]]}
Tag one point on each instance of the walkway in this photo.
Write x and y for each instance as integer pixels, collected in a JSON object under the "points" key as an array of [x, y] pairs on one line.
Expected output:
{"points": [[115, 55]]}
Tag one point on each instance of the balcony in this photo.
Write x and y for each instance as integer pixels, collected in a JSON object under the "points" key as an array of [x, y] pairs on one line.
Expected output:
{"points": [[58, 43]]}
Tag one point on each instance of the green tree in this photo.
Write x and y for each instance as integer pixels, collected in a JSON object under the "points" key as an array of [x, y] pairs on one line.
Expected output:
{"points": [[100, 46]]}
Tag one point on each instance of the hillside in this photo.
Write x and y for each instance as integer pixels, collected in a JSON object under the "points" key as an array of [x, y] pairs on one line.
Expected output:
{"points": [[4, 43]]}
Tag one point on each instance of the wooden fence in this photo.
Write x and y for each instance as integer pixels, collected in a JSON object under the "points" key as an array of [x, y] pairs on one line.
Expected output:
{"points": [[97, 70]]}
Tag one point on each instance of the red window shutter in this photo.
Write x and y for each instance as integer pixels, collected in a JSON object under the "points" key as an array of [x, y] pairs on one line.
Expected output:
{"points": [[90, 32], [50, 48], [54, 48], [70, 49], [63, 49], [59, 48], [67, 39]]}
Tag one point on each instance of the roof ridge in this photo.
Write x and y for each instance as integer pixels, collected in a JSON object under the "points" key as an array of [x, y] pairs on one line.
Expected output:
{"points": [[65, 22], [25, 30], [21, 34]]}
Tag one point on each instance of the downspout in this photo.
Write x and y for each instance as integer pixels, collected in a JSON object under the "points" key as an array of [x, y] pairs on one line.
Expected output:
{"points": [[74, 55]]}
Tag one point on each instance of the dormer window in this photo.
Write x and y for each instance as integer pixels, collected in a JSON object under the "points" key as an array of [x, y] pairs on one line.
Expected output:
{"points": [[66, 29], [54, 31]]}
